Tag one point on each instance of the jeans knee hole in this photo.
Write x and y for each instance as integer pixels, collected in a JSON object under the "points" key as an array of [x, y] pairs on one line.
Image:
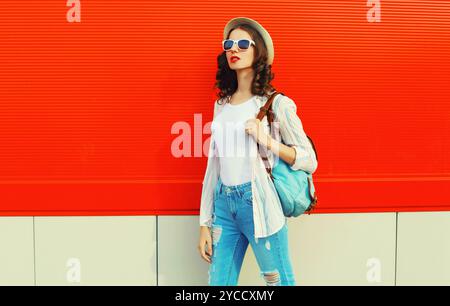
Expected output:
{"points": [[272, 278], [216, 233]]}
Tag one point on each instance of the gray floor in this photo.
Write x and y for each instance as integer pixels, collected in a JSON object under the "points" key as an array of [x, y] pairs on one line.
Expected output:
{"points": [[327, 249]]}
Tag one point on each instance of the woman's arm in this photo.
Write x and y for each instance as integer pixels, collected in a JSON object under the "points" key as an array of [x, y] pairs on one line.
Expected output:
{"points": [[296, 150], [212, 170], [286, 153]]}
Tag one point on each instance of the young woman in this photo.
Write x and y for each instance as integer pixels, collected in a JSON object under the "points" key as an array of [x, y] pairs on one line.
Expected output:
{"points": [[239, 203]]}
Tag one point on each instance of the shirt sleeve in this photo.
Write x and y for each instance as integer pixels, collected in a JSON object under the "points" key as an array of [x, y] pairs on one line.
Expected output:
{"points": [[208, 184], [293, 135]]}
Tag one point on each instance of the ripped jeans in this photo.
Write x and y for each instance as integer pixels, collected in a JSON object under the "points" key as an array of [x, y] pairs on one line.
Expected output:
{"points": [[232, 229]]}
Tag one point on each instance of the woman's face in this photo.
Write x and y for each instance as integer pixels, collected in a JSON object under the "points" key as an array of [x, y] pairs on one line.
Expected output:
{"points": [[245, 56]]}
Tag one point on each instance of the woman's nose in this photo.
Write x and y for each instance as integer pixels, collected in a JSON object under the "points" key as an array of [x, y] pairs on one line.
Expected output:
{"points": [[235, 48]]}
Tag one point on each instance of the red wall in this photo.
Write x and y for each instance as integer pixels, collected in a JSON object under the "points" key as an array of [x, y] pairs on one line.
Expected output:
{"points": [[86, 108]]}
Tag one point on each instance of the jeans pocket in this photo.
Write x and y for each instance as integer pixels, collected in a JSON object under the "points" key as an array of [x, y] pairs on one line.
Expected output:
{"points": [[247, 197]]}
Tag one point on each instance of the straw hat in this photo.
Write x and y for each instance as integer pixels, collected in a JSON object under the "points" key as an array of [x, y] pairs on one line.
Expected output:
{"points": [[263, 32]]}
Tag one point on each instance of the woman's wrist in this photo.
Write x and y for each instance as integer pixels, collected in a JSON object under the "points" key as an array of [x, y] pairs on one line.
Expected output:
{"points": [[269, 142]]}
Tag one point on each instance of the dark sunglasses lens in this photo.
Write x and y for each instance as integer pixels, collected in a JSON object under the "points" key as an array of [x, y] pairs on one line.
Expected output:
{"points": [[227, 44], [244, 44]]}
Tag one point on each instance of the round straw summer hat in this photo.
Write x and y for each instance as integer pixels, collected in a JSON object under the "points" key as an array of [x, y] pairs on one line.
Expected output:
{"points": [[263, 32]]}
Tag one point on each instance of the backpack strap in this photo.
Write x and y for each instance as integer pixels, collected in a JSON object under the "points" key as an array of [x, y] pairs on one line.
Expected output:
{"points": [[267, 110], [263, 111]]}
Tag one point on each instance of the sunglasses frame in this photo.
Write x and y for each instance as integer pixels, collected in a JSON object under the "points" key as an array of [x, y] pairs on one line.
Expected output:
{"points": [[236, 42]]}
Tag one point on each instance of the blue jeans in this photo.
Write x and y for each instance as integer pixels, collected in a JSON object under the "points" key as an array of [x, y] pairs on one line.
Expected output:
{"points": [[232, 229]]}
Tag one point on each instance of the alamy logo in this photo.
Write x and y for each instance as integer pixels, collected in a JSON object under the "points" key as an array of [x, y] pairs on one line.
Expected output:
{"points": [[189, 140], [374, 13], [374, 272], [73, 274], [74, 13]]}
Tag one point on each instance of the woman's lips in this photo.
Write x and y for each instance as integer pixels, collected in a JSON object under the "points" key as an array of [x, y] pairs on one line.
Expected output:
{"points": [[234, 59]]}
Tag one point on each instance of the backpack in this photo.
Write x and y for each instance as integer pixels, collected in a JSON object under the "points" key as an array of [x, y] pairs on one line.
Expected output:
{"points": [[295, 188]]}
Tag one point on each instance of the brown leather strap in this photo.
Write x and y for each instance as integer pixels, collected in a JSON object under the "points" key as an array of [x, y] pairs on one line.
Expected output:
{"points": [[313, 197], [267, 108], [263, 111]]}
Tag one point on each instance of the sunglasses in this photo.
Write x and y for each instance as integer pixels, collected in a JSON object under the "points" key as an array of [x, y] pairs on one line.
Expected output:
{"points": [[243, 44]]}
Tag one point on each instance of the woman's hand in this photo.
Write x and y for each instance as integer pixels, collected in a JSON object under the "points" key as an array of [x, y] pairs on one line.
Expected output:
{"points": [[205, 238], [255, 128]]}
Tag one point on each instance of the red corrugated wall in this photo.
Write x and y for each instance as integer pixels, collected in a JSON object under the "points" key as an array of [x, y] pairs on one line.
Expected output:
{"points": [[87, 108]]}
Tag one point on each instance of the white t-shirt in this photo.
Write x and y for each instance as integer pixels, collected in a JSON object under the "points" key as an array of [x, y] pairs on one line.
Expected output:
{"points": [[234, 146]]}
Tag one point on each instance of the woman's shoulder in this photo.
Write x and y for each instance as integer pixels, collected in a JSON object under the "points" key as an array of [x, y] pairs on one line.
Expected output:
{"points": [[283, 102], [218, 104]]}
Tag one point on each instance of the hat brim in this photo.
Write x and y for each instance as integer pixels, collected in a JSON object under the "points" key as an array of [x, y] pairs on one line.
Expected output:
{"points": [[263, 32]]}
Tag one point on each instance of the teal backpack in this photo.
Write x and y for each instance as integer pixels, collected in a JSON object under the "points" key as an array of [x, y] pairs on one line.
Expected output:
{"points": [[295, 188]]}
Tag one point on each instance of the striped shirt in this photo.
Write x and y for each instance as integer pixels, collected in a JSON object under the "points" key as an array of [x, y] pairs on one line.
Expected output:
{"points": [[267, 211]]}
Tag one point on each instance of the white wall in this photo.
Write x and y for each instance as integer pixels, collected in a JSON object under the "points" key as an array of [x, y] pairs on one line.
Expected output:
{"points": [[326, 249]]}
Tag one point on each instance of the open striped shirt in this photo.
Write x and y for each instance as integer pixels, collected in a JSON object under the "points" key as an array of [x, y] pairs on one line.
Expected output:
{"points": [[267, 211]]}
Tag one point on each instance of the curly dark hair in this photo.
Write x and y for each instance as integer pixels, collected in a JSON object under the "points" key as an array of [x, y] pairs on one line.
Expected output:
{"points": [[226, 79]]}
